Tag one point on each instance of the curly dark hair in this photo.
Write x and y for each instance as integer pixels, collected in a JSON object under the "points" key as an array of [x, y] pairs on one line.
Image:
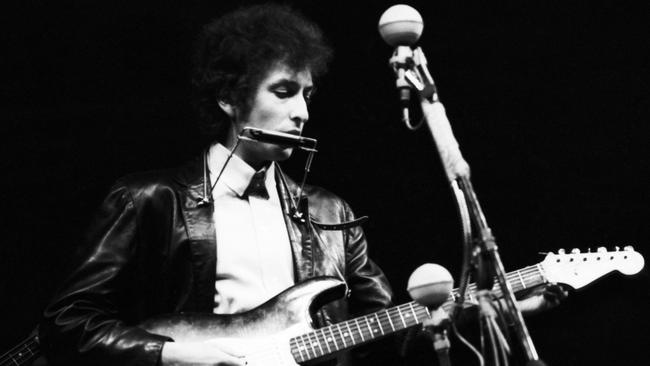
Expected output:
{"points": [[235, 52]]}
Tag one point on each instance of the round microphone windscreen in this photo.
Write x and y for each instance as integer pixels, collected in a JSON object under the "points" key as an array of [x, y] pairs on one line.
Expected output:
{"points": [[400, 25], [430, 285]]}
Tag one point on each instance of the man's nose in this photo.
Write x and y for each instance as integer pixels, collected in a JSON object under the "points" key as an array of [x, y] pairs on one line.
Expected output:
{"points": [[299, 113]]}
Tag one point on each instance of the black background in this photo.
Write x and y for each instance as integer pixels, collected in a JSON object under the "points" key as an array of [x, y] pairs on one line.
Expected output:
{"points": [[548, 100]]}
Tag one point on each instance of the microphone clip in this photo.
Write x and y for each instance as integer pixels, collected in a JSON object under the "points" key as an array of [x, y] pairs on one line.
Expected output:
{"points": [[411, 66]]}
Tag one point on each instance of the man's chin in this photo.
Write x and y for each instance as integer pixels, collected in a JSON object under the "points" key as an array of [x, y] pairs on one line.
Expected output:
{"points": [[280, 154], [285, 154]]}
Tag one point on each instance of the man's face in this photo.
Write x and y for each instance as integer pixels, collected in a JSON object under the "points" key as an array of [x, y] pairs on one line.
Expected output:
{"points": [[279, 104]]}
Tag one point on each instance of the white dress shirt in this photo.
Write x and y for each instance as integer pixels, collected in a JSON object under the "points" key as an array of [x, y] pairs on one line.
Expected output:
{"points": [[254, 259]]}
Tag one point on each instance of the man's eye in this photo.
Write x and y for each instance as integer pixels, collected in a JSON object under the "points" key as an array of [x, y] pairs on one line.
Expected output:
{"points": [[281, 93]]}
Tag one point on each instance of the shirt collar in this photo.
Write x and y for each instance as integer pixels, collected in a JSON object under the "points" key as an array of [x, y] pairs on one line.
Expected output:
{"points": [[237, 174]]}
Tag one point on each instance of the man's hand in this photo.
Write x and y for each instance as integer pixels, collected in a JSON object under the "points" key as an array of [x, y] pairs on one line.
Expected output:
{"points": [[542, 299], [199, 354]]}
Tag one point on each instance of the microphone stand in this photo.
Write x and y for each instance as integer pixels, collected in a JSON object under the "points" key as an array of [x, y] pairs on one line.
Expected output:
{"points": [[480, 248], [438, 334]]}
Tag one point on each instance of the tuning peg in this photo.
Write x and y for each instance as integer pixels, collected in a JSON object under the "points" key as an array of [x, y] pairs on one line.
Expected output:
{"points": [[575, 251], [628, 248], [601, 250], [561, 251]]}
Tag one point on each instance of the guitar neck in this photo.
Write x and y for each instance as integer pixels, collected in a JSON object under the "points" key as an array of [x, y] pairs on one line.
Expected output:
{"points": [[22, 353], [519, 280], [341, 336]]}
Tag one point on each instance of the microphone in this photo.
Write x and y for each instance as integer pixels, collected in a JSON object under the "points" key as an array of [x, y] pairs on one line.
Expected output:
{"points": [[430, 285], [278, 138], [401, 26]]}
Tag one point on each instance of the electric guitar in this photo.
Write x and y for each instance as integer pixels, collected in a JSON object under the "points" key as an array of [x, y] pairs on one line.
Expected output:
{"points": [[280, 331]]}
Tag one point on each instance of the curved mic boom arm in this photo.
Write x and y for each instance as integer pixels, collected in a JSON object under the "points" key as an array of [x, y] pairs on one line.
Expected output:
{"points": [[470, 212]]}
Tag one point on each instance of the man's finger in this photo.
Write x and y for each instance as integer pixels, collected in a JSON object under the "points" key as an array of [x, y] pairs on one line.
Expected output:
{"points": [[554, 294]]}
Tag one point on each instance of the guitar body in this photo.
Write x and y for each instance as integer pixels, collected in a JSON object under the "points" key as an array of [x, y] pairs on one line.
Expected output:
{"points": [[263, 333]]}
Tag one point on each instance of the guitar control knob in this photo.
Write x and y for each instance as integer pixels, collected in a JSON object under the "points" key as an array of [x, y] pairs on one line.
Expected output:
{"points": [[628, 248], [575, 251], [602, 250], [561, 251], [617, 248]]}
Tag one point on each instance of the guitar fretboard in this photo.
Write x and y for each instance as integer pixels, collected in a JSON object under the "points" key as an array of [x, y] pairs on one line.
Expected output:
{"points": [[22, 353], [354, 332]]}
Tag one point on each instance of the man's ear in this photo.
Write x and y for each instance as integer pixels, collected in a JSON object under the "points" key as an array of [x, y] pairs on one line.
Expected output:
{"points": [[228, 108]]}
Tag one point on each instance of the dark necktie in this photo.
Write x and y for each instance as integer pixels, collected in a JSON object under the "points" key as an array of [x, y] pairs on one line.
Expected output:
{"points": [[257, 188]]}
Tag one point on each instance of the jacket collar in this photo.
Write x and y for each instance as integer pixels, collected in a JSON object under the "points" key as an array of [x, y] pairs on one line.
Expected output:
{"points": [[234, 173]]}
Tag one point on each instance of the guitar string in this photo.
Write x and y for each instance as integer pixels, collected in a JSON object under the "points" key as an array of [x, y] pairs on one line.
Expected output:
{"points": [[7, 357], [264, 354], [531, 273], [24, 344], [353, 334], [270, 351], [9, 360], [525, 275], [310, 341], [310, 338], [518, 280], [395, 315]]}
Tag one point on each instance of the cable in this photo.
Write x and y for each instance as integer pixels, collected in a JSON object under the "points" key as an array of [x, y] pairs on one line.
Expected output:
{"points": [[493, 341], [478, 355]]}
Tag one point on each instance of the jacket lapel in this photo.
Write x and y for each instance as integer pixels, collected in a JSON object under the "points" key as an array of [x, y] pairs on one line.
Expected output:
{"points": [[299, 234], [197, 213]]}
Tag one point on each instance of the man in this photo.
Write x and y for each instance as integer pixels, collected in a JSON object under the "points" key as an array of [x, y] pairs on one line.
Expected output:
{"points": [[222, 234], [198, 238]]}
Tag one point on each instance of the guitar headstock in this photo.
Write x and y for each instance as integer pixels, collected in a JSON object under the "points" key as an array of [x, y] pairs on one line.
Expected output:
{"points": [[578, 269]]}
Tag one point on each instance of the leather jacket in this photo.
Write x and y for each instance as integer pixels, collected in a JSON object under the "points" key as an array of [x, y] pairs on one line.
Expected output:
{"points": [[151, 250]]}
